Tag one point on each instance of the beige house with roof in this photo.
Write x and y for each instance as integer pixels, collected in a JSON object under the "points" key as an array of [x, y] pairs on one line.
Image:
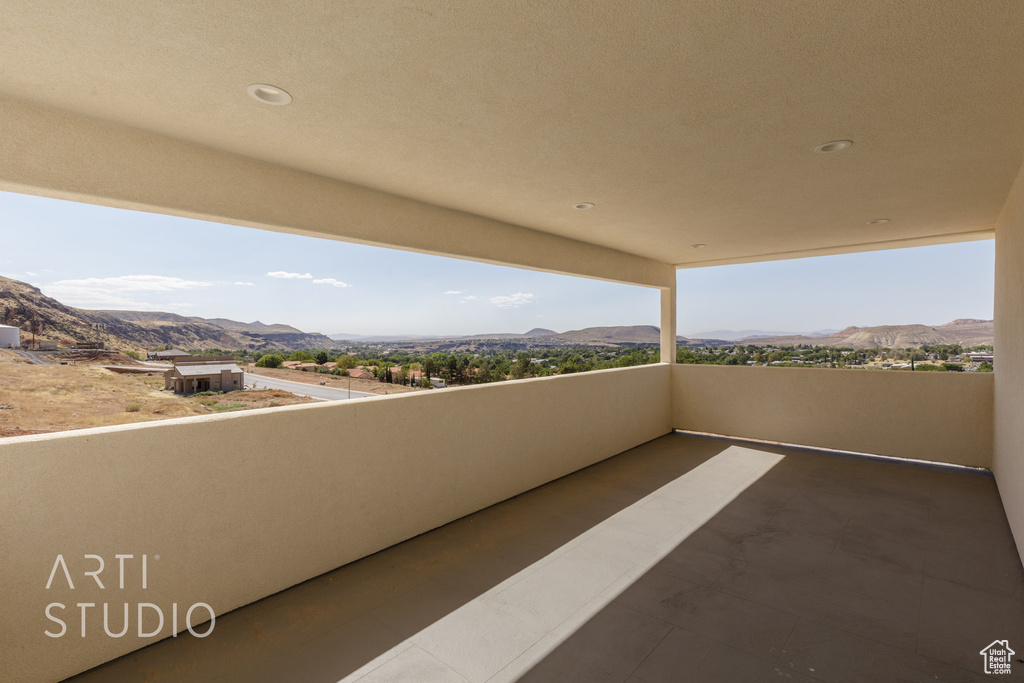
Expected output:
{"points": [[190, 378]]}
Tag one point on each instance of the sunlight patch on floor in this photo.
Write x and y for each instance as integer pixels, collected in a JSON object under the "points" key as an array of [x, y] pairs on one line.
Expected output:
{"points": [[505, 632]]}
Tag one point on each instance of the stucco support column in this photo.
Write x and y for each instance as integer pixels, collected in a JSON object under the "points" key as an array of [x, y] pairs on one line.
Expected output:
{"points": [[1008, 452], [668, 324]]}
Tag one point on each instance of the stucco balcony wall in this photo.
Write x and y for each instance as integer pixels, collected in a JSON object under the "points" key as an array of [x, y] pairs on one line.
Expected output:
{"points": [[935, 416], [237, 507]]}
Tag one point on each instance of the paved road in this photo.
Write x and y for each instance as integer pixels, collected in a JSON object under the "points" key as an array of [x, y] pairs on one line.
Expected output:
{"points": [[301, 389], [32, 356]]}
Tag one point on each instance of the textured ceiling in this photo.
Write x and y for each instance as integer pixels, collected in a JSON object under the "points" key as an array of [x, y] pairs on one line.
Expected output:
{"points": [[684, 122]]}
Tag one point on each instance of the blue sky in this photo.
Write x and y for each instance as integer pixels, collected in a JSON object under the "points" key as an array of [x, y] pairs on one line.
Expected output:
{"points": [[97, 257], [926, 285]]}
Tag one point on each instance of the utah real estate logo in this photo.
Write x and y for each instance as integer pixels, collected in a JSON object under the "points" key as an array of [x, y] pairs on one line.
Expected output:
{"points": [[997, 657]]}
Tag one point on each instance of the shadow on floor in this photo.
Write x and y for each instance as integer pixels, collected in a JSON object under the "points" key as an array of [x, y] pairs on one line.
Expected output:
{"points": [[331, 625], [826, 568]]}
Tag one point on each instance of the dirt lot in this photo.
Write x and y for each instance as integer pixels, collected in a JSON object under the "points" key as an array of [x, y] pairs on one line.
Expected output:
{"points": [[35, 399], [371, 386], [93, 357]]}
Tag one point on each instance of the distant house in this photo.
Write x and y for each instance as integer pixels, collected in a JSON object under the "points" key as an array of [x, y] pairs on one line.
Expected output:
{"points": [[10, 337], [190, 378], [171, 354], [360, 373]]}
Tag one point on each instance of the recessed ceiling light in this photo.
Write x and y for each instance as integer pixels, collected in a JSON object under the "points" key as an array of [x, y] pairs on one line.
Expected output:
{"points": [[268, 94], [834, 146], [699, 245], [583, 205], [878, 221]]}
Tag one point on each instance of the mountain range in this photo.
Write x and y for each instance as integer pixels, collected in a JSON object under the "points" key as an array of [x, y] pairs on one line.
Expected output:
{"points": [[369, 338], [963, 331], [740, 335], [142, 330]]}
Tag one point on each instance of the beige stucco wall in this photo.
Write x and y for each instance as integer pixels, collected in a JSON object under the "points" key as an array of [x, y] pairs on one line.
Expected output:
{"points": [[936, 416], [243, 505], [1008, 460], [67, 156]]}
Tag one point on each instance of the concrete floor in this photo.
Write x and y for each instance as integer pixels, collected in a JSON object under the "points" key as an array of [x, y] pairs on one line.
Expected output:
{"points": [[685, 559]]}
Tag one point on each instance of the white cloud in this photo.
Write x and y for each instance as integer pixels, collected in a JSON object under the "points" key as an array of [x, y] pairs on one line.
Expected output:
{"points": [[456, 291], [471, 298], [331, 281], [115, 292], [134, 283], [514, 301], [246, 284], [290, 276], [31, 274]]}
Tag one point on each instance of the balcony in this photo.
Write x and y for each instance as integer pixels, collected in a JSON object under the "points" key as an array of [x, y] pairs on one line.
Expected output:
{"points": [[573, 535], [685, 558], [385, 536]]}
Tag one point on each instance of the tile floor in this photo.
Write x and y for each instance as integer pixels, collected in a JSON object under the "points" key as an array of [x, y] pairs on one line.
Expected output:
{"points": [[685, 559]]}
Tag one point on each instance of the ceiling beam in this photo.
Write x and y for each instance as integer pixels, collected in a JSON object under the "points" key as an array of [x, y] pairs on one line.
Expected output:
{"points": [[68, 156]]}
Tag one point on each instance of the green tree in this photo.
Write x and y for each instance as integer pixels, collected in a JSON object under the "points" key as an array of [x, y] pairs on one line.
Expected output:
{"points": [[572, 364], [521, 368], [271, 360], [452, 368], [321, 357], [302, 356]]}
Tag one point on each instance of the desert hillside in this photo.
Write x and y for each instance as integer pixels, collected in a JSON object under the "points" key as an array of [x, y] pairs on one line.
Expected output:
{"points": [[635, 334], [21, 302], [963, 331], [140, 330]]}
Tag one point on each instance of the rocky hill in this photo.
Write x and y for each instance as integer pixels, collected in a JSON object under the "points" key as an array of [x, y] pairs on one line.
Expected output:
{"points": [[20, 303], [152, 329], [633, 334], [963, 331], [142, 330]]}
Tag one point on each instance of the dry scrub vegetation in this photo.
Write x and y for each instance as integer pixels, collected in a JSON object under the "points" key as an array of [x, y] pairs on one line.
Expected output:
{"points": [[35, 399]]}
